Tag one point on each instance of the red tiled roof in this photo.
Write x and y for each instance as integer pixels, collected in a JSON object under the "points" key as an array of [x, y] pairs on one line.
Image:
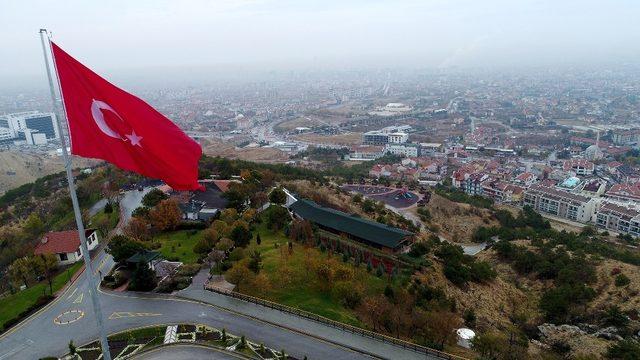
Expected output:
{"points": [[60, 242], [223, 185]]}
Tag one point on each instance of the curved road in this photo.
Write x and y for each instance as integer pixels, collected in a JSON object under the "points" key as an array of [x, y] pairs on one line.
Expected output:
{"points": [[70, 317]]}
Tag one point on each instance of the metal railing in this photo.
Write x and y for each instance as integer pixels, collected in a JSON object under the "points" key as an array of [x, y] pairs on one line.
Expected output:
{"points": [[336, 324]]}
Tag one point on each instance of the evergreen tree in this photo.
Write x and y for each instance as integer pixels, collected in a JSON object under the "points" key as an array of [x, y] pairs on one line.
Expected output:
{"points": [[143, 279]]}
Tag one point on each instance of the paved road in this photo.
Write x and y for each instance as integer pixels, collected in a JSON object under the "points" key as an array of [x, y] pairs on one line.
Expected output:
{"points": [[70, 317]]}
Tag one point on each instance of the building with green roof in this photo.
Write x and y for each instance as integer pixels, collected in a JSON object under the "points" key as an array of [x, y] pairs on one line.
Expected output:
{"points": [[362, 230]]}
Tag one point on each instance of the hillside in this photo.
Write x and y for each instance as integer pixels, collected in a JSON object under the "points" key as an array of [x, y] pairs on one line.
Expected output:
{"points": [[19, 168], [456, 221], [215, 147]]}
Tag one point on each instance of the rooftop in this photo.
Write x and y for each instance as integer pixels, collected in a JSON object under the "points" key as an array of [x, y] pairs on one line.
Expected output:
{"points": [[60, 242], [366, 229]]}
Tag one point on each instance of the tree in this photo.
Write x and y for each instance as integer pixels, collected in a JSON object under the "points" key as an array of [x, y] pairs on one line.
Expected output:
{"points": [[255, 261], [215, 257], [489, 345], [122, 248], [375, 311], [143, 278], [348, 294], [441, 327], [108, 208], [22, 270], [301, 231], [240, 236], [33, 226], [277, 217], [103, 224], [72, 348], [224, 245], [166, 215], [229, 215], [277, 196], [239, 275], [140, 212], [138, 228], [153, 198], [47, 264]]}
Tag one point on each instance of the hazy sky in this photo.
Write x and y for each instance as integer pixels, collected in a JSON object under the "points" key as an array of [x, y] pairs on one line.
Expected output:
{"points": [[116, 35]]}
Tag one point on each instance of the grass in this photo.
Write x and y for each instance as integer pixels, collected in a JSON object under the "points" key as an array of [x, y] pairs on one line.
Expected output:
{"points": [[12, 305], [296, 291], [179, 245], [113, 217]]}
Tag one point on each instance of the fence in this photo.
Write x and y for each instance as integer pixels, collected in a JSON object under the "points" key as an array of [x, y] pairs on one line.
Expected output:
{"points": [[336, 324]]}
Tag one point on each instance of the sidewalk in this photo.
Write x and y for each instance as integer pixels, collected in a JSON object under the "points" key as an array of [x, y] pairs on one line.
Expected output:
{"points": [[299, 324]]}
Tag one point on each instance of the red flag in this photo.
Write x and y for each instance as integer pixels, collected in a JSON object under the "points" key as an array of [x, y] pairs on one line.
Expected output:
{"points": [[108, 123]]}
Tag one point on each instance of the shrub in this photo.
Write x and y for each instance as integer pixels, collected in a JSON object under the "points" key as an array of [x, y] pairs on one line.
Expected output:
{"points": [[469, 317], [188, 270], [622, 280], [237, 254], [348, 294]]}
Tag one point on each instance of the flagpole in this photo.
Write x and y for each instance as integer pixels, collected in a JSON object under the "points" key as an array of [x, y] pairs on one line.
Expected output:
{"points": [[106, 355]]}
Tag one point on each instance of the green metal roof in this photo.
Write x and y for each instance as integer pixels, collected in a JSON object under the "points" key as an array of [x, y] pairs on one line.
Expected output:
{"points": [[144, 256], [372, 231]]}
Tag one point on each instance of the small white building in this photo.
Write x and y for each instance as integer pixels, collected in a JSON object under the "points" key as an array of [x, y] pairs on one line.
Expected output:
{"points": [[408, 150], [66, 245]]}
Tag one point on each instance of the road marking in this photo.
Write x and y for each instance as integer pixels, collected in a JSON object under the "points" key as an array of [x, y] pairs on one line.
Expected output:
{"points": [[124, 314], [68, 317], [16, 349], [74, 291], [104, 260], [78, 300]]}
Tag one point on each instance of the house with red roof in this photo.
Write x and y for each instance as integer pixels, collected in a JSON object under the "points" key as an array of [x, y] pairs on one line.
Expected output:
{"points": [[66, 245]]}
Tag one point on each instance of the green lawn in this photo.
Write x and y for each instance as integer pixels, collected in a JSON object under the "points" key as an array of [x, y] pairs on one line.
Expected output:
{"points": [[179, 245], [299, 293], [12, 305], [113, 218]]}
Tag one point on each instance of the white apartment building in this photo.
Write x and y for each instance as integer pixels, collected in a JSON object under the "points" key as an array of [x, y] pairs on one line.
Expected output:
{"points": [[408, 150], [619, 218], [559, 203]]}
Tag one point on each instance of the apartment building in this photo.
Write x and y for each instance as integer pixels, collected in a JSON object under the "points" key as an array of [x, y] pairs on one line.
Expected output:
{"points": [[618, 218], [559, 203]]}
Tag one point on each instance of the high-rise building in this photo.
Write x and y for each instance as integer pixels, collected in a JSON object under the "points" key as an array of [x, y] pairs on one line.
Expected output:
{"points": [[17, 123]]}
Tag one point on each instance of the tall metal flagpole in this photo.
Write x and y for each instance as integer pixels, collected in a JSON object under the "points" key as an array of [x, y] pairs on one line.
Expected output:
{"points": [[106, 355]]}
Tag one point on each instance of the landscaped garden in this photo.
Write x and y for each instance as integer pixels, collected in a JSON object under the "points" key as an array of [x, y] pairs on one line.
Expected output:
{"points": [[299, 275], [178, 245], [128, 343]]}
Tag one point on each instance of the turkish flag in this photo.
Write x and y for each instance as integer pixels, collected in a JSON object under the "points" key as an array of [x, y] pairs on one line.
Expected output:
{"points": [[108, 123]]}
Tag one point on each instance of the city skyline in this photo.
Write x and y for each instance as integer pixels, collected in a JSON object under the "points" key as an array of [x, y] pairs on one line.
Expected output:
{"points": [[226, 36]]}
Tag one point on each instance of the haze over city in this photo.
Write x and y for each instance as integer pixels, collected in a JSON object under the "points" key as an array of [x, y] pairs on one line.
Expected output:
{"points": [[214, 37], [295, 180]]}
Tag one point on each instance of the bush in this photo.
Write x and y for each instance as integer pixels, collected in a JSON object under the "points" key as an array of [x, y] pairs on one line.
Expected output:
{"points": [[624, 350], [191, 225], [469, 317], [188, 270], [237, 254], [347, 294], [622, 280], [153, 197], [108, 209], [481, 271]]}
